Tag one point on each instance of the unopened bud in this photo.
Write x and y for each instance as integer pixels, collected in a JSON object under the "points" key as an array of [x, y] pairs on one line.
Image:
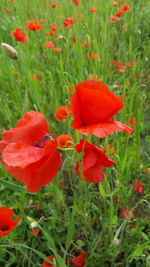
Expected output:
{"points": [[116, 242], [34, 225], [10, 51]]}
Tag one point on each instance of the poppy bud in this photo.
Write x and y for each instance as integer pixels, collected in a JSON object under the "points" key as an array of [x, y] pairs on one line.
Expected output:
{"points": [[34, 225], [10, 51]]}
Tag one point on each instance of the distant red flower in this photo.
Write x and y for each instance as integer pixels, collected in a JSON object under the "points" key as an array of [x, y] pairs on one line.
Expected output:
{"points": [[36, 232], [53, 5], [119, 13], [131, 121], [62, 113], [35, 76], [42, 20], [47, 264], [6, 222], [126, 8], [57, 49], [91, 166], [54, 28], [125, 213], [114, 63], [76, 2], [94, 77], [85, 44], [64, 140], [11, 1], [93, 9], [129, 64], [79, 261], [120, 67], [52, 34], [93, 107], [95, 56], [115, 3], [138, 187], [29, 152], [114, 19], [48, 45], [123, 28], [19, 35], [68, 22], [33, 25]]}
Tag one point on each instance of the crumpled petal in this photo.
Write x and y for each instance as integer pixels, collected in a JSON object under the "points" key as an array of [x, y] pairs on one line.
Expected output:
{"points": [[103, 129]]}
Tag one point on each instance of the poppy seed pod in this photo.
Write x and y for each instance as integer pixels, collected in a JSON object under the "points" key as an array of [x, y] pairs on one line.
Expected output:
{"points": [[10, 51]]}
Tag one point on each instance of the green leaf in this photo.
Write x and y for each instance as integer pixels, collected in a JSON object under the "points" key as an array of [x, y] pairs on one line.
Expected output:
{"points": [[14, 186], [139, 250]]}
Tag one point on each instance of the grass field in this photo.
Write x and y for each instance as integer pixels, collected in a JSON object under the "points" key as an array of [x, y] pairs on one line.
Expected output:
{"points": [[104, 41]]}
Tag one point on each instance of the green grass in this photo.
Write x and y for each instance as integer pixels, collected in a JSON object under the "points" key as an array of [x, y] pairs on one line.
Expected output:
{"points": [[79, 216]]}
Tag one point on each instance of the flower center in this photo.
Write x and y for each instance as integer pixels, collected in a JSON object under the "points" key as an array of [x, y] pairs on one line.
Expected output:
{"points": [[41, 142]]}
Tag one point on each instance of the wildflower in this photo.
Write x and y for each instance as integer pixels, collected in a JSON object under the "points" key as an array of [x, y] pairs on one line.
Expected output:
{"points": [[126, 8], [48, 45], [93, 9], [10, 51], [6, 222], [36, 232], [138, 187], [129, 64], [94, 77], [79, 261], [76, 2], [64, 140], [53, 5], [120, 67], [68, 22], [33, 25], [125, 213], [95, 56], [114, 19], [131, 121], [93, 107], [119, 13], [35, 76], [42, 20], [62, 113], [115, 3], [85, 44], [29, 152], [54, 27], [52, 34], [91, 166], [47, 264], [19, 35], [57, 49]]}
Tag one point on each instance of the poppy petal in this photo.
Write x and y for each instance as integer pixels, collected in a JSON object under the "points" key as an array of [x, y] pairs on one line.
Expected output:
{"points": [[29, 129], [103, 129]]}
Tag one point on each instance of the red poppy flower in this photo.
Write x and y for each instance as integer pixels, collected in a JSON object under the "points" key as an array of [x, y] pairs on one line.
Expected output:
{"points": [[91, 166], [76, 2], [138, 187], [95, 56], [79, 261], [54, 28], [115, 3], [6, 222], [36, 231], [68, 22], [131, 121], [62, 113], [57, 49], [93, 9], [47, 264], [52, 34], [85, 44], [28, 153], [119, 13], [34, 26], [125, 213], [114, 19], [35, 76], [93, 107], [120, 67], [131, 63], [125, 8], [64, 140], [19, 35], [53, 5], [48, 45]]}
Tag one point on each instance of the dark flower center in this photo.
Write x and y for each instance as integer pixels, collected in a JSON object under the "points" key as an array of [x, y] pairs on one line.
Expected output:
{"points": [[4, 228], [41, 142]]}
